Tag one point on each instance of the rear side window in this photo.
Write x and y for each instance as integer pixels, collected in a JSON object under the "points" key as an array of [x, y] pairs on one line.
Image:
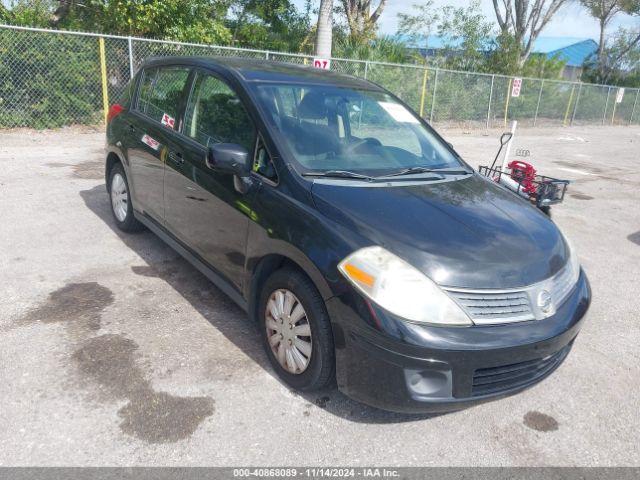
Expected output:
{"points": [[215, 114], [160, 93], [127, 94]]}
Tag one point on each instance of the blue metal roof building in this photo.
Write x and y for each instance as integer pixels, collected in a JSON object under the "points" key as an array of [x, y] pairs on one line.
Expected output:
{"points": [[575, 51]]}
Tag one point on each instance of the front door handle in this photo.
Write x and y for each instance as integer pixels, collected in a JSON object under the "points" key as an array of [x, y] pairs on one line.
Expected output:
{"points": [[176, 157]]}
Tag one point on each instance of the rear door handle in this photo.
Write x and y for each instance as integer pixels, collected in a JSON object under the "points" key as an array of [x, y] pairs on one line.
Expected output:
{"points": [[176, 157]]}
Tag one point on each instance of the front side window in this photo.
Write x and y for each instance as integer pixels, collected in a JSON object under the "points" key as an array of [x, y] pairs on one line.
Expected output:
{"points": [[160, 93], [215, 114], [363, 131]]}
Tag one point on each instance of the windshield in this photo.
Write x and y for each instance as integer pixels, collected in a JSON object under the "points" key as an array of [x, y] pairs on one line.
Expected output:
{"points": [[362, 131]]}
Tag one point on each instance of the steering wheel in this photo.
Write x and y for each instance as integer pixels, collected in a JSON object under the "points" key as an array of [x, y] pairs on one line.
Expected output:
{"points": [[373, 142]]}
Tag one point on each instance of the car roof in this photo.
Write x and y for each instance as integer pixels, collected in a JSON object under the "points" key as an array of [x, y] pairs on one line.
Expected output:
{"points": [[263, 71]]}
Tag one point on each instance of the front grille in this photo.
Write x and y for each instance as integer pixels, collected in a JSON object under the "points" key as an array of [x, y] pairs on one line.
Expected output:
{"points": [[487, 381], [489, 307]]}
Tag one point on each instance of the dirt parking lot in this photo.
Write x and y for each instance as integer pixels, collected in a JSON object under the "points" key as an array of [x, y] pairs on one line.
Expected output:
{"points": [[115, 351]]}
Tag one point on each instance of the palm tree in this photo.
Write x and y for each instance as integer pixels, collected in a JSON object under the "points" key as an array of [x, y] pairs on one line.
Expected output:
{"points": [[325, 29]]}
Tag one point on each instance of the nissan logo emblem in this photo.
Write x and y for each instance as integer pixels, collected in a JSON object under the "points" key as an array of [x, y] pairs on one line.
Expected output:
{"points": [[544, 301]]}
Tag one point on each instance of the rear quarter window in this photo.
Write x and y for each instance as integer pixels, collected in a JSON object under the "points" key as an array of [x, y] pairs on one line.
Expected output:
{"points": [[160, 94]]}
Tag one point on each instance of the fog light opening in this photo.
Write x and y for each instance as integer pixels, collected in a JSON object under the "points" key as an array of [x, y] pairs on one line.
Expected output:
{"points": [[429, 383]]}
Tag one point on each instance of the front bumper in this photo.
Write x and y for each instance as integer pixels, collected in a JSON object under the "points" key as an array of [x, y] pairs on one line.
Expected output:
{"points": [[391, 364]]}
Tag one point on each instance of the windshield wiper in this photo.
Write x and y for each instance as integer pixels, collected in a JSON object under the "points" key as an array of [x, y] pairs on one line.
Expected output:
{"points": [[338, 174], [412, 170]]}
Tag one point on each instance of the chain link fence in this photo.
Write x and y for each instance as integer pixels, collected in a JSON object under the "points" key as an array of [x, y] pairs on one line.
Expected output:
{"points": [[52, 78]]}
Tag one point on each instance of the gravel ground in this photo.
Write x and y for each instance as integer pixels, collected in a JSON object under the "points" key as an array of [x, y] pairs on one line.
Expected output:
{"points": [[117, 352]]}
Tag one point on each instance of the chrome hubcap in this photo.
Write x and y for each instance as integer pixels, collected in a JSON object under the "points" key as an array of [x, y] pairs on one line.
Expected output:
{"points": [[119, 197], [288, 331]]}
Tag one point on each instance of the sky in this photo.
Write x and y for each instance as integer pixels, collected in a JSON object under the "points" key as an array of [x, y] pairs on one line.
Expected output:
{"points": [[570, 21]]}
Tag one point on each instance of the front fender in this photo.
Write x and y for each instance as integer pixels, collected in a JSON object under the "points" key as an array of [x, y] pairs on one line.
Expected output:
{"points": [[301, 234]]}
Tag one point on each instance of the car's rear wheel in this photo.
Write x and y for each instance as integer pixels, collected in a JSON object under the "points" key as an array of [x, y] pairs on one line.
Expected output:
{"points": [[121, 200], [296, 330]]}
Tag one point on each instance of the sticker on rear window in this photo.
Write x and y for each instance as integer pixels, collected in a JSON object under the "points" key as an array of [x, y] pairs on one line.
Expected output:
{"points": [[398, 112], [168, 120], [152, 142]]}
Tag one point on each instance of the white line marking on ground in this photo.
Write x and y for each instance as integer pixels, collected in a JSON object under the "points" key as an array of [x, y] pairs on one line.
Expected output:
{"points": [[574, 170], [572, 138]]}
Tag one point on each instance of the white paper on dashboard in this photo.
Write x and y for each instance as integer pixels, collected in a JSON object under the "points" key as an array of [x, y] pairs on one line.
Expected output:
{"points": [[398, 112]]}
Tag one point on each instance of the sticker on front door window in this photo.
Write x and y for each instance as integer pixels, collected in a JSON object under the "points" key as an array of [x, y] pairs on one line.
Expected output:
{"points": [[152, 142], [168, 120]]}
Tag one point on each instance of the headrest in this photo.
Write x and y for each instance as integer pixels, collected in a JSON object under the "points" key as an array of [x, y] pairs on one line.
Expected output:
{"points": [[313, 106]]}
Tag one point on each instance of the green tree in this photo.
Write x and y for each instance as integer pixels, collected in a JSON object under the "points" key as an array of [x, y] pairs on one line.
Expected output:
{"points": [[271, 24], [619, 62], [604, 11], [611, 51], [31, 13], [503, 57], [362, 22], [381, 49], [418, 26], [192, 21], [466, 33], [524, 20]]}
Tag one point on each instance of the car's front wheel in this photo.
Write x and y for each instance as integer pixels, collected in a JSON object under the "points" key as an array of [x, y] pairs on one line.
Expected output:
{"points": [[121, 200], [296, 330]]}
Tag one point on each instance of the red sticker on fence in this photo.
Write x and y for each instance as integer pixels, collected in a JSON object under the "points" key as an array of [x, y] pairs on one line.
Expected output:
{"points": [[323, 63], [152, 142], [168, 120]]}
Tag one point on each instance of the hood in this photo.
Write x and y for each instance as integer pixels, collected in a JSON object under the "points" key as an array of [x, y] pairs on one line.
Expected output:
{"points": [[468, 233]]}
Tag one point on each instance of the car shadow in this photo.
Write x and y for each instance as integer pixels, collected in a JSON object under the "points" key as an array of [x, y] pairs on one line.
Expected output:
{"points": [[164, 263]]}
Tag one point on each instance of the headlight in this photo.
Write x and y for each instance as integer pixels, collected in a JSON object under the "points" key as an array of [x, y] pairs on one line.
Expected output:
{"points": [[573, 261], [400, 288]]}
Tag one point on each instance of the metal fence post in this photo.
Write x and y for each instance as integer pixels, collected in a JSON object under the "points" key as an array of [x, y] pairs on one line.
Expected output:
{"points": [[266, 55], [424, 91], [633, 110], [566, 113], [493, 77], [130, 42], [433, 102], [535, 116], [366, 69], [103, 75], [606, 105], [506, 103], [575, 106]]}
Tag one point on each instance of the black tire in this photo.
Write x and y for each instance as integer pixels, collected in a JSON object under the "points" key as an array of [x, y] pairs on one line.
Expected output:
{"points": [[129, 222], [320, 370]]}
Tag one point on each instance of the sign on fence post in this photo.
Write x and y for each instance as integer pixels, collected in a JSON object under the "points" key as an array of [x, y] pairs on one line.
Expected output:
{"points": [[619, 97], [516, 86], [323, 63]]}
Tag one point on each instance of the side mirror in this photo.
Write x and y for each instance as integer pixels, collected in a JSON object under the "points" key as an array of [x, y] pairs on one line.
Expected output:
{"points": [[228, 158]]}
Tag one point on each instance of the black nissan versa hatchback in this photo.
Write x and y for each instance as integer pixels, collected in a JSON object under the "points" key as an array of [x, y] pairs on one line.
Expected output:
{"points": [[366, 249]]}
